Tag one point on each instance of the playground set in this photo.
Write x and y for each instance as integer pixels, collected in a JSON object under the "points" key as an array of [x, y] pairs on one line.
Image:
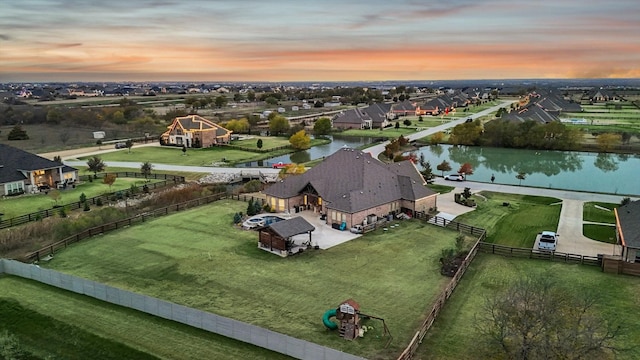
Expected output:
{"points": [[349, 316]]}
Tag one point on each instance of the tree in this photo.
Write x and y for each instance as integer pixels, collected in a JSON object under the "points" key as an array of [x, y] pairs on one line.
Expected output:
{"points": [[259, 144], [300, 140], [625, 201], [278, 125], [221, 101], [607, 141], [83, 198], [427, 172], [251, 96], [96, 165], [145, 169], [271, 100], [443, 166], [406, 122], [64, 137], [57, 159], [292, 169], [466, 169], [54, 116], [18, 133], [322, 126], [436, 138], [397, 125], [129, 145], [466, 134], [521, 176], [109, 179], [536, 318], [184, 149], [54, 194]]}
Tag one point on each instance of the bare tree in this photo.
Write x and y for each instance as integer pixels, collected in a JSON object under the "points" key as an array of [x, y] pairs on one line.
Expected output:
{"points": [[536, 318]]}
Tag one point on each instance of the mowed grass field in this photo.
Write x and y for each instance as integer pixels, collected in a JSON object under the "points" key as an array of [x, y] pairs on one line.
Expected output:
{"points": [[454, 335], [192, 157], [198, 259], [55, 324], [517, 224], [596, 212], [25, 204]]}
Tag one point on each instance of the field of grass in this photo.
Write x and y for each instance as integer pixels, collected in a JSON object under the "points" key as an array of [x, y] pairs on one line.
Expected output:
{"points": [[602, 233], [193, 157], [198, 259], [592, 213], [454, 335], [442, 189], [268, 142], [49, 321], [388, 132], [512, 225], [25, 204]]}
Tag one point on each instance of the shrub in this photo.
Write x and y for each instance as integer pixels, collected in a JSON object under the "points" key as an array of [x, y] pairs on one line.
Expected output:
{"points": [[237, 218], [252, 186], [99, 201], [83, 198], [63, 212], [86, 206]]}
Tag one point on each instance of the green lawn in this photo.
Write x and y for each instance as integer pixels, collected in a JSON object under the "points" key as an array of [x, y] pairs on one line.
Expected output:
{"points": [[268, 142], [390, 132], [193, 157], [442, 189], [25, 204], [602, 233], [516, 224], [197, 258], [454, 335], [592, 213], [50, 321]]}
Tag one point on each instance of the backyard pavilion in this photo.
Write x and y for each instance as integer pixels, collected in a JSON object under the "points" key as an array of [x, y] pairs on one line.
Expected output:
{"points": [[277, 237]]}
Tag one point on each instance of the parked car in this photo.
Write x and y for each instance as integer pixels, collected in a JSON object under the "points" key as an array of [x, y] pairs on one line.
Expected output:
{"points": [[280, 165], [357, 229], [468, 120], [121, 145], [548, 240], [454, 177]]}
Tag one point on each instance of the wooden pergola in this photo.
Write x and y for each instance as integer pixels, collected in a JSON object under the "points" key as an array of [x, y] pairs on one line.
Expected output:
{"points": [[277, 236]]}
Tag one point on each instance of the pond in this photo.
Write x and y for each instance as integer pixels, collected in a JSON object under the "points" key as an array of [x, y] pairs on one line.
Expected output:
{"points": [[568, 170], [314, 153]]}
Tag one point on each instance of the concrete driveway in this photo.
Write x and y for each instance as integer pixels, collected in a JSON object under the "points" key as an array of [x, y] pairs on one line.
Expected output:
{"points": [[571, 239]]}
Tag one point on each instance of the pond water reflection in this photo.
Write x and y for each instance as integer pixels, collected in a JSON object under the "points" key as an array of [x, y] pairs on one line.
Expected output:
{"points": [[570, 170], [315, 152]]}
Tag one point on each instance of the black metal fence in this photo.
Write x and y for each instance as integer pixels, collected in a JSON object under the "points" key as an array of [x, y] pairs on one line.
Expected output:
{"points": [[140, 218], [166, 179]]}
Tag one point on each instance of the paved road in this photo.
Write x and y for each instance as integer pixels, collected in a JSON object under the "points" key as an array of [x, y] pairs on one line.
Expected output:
{"points": [[379, 148], [570, 224]]}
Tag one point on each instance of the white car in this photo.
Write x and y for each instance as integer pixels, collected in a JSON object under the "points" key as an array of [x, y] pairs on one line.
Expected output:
{"points": [[454, 177], [548, 241]]}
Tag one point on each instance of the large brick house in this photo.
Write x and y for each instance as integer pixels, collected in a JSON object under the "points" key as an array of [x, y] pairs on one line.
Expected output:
{"points": [[628, 230], [24, 172], [350, 186], [194, 131], [374, 116]]}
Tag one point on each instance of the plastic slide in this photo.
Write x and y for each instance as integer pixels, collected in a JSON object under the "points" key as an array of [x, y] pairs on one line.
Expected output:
{"points": [[326, 319]]}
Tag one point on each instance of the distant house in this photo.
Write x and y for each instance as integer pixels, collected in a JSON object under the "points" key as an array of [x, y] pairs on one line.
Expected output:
{"points": [[530, 112], [628, 230], [403, 108], [555, 104], [602, 95], [195, 131], [24, 172], [350, 187], [434, 106], [371, 117]]}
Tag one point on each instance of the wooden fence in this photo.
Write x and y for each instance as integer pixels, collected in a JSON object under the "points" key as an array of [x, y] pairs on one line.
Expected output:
{"points": [[41, 214], [616, 265], [537, 254], [411, 349], [140, 218]]}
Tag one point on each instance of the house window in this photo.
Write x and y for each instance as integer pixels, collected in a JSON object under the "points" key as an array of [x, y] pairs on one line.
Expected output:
{"points": [[281, 204], [334, 215], [14, 188], [179, 132], [179, 140]]}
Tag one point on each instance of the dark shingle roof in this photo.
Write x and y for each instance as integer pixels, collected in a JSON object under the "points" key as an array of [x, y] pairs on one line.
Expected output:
{"points": [[291, 227], [404, 106], [12, 160], [350, 180], [377, 113], [629, 219], [531, 112]]}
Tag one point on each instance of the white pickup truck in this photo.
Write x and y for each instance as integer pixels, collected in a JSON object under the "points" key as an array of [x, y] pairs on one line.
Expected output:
{"points": [[547, 240]]}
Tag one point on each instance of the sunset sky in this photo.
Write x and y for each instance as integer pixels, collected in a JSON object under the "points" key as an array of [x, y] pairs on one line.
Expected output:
{"points": [[321, 40]]}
